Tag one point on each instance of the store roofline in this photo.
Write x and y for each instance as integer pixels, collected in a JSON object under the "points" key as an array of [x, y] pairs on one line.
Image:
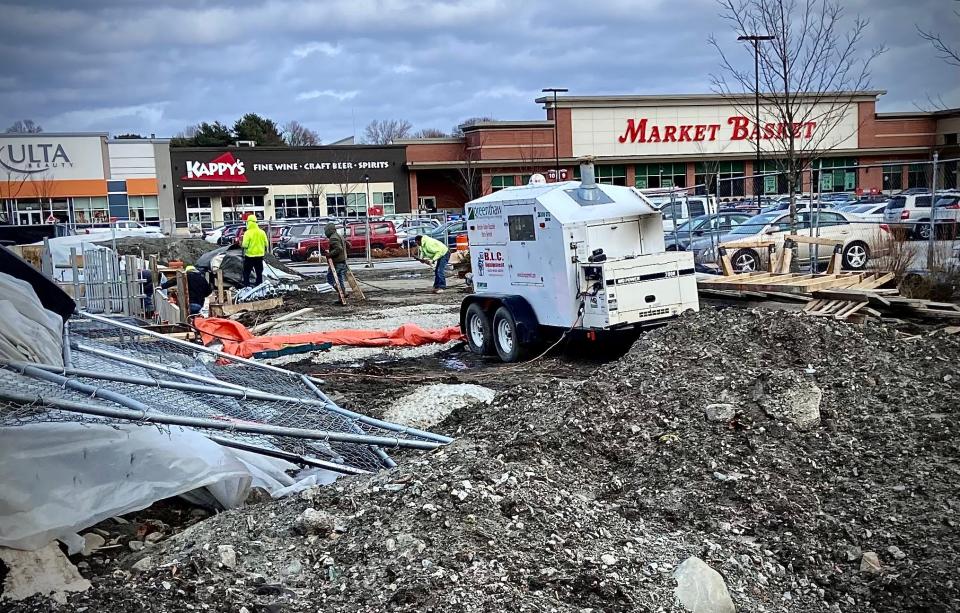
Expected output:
{"points": [[648, 100], [56, 134], [506, 125], [446, 140], [158, 141]]}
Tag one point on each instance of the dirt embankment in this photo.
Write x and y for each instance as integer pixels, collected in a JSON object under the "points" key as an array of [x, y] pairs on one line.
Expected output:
{"points": [[786, 451]]}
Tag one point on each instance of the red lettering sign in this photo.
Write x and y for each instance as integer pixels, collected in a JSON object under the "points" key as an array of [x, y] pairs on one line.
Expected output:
{"points": [[741, 128], [222, 169]]}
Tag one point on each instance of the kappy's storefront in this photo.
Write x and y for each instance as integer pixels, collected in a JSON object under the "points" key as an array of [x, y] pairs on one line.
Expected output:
{"points": [[217, 185]]}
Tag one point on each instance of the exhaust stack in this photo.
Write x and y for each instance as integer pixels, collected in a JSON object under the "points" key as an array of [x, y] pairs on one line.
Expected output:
{"points": [[588, 190]]}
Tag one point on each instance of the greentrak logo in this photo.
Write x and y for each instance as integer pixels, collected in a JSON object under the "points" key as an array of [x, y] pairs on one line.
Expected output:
{"points": [[488, 210], [222, 169]]}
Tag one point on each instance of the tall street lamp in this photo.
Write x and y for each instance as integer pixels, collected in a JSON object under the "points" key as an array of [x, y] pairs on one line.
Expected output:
{"points": [[755, 40], [556, 145]]}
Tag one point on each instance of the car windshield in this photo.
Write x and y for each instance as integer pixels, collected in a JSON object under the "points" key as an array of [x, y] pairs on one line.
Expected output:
{"points": [[672, 211], [756, 223], [897, 202]]}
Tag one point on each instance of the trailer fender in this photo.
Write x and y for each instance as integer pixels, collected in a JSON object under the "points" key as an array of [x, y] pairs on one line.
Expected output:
{"points": [[528, 328]]}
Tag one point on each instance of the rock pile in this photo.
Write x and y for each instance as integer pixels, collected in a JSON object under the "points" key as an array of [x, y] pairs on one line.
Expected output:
{"points": [[826, 481]]}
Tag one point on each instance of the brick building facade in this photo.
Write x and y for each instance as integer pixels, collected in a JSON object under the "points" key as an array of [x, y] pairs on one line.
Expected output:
{"points": [[685, 141]]}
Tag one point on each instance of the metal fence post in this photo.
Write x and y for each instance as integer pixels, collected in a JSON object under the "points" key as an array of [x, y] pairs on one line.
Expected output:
{"points": [[933, 213]]}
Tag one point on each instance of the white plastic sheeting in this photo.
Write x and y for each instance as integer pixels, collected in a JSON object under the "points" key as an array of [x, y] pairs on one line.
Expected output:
{"points": [[27, 330], [59, 478]]}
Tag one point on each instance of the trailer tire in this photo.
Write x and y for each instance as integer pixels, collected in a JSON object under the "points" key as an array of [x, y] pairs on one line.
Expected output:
{"points": [[505, 337], [478, 330]]}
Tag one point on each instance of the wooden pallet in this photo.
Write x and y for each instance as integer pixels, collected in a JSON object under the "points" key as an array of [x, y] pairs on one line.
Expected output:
{"points": [[793, 283]]}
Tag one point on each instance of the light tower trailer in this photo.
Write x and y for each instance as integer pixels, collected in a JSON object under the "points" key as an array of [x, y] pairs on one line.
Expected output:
{"points": [[568, 256]]}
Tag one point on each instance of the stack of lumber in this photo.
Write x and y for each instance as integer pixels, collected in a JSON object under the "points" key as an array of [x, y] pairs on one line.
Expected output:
{"points": [[851, 296]]}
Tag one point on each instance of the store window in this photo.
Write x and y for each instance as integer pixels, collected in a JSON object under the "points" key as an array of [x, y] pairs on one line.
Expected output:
{"points": [[835, 175], [336, 205], [892, 177], [287, 207], [773, 178], [919, 175], [200, 212], [723, 179], [498, 182], [950, 175], [91, 210], [612, 175], [385, 201], [235, 208], [356, 204], [661, 175], [144, 209]]}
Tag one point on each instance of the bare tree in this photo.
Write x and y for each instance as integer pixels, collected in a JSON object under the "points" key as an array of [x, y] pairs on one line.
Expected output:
{"points": [[315, 192], [458, 129], [429, 133], [346, 175], [296, 134], [809, 76], [945, 51], [11, 189], [385, 131], [24, 126], [536, 158], [469, 171]]}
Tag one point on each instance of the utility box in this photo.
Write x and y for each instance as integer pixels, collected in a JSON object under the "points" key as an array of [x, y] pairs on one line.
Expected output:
{"points": [[570, 255]]}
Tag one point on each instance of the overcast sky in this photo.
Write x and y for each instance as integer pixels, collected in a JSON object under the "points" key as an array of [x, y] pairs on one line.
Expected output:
{"points": [[155, 66]]}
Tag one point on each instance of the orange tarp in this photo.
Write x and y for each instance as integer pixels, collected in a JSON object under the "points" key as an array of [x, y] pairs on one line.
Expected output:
{"points": [[239, 341]]}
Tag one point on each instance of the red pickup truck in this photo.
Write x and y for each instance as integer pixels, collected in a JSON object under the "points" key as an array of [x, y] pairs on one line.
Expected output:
{"points": [[383, 235]]}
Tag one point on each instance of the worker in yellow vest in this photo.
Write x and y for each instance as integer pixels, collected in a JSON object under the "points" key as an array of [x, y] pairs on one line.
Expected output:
{"points": [[254, 249], [436, 254]]}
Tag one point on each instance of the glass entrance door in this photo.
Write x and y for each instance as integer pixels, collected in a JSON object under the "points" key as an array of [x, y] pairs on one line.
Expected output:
{"points": [[29, 218]]}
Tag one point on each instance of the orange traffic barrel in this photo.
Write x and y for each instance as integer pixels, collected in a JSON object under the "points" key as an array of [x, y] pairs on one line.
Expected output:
{"points": [[462, 244]]}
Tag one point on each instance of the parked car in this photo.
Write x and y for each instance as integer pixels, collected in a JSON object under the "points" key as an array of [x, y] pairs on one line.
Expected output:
{"points": [[293, 234], [415, 226], [682, 207], [448, 231], [775, 225], [947, 214], [838, 198], [908, 216], [869, 213], [721, 223], [127, 227], [383, 235], [229, 234]]}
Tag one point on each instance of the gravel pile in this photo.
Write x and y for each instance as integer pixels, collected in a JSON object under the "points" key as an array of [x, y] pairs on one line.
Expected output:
{"points": [[812, 463]]}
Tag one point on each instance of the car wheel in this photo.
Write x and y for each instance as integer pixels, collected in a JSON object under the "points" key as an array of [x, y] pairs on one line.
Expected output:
{"points": [[376, 246], [505, 339], [745, 260], [921, 231], [856, 255], [478, 329], [315, 254]]}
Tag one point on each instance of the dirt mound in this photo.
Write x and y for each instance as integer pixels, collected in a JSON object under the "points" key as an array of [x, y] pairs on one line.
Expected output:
{"points": [[824, 442], [186, 250]]}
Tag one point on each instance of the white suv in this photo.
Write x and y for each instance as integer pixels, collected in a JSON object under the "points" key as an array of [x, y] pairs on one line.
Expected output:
{"points": [[947, 214], [909, 215]]}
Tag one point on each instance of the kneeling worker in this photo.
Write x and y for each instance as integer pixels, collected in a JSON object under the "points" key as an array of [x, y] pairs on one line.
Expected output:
{"points": [[435, 254], [337, 252], [197, 288]]}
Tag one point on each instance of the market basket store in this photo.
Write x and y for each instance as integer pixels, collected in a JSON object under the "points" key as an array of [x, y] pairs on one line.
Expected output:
{"points": [[222, 184]]}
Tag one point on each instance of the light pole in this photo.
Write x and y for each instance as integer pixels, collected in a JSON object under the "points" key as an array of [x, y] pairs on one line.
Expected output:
{"points": [[366, 205], [755, 40], [556, 144]]}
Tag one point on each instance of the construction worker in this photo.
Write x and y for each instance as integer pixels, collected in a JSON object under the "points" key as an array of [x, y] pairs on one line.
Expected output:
{"points": [[337, 252], [436, 254], [197, 288], [254, 248]]}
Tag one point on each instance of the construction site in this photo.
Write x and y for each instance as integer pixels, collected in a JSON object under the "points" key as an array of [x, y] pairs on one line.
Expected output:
{"points": [[574, 419]]}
